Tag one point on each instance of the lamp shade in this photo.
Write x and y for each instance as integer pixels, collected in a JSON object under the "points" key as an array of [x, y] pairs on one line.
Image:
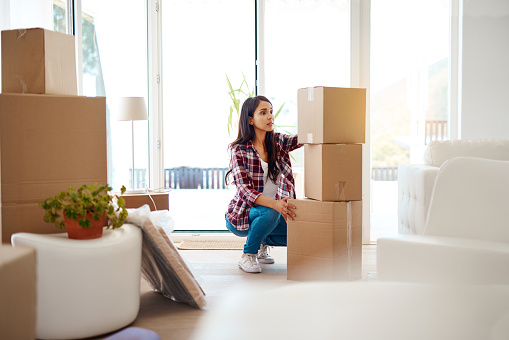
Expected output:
{"points": [[131, 108]]}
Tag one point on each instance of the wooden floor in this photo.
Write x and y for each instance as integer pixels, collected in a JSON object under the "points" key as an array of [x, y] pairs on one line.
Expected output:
{"points": [[218, 274]]}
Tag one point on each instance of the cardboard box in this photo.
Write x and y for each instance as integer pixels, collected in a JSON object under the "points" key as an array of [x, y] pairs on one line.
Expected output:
{"points": [[333, 172], [38, 61], [17, 292], [331, 115], [134, 201], [47, 143], [325, 241]]}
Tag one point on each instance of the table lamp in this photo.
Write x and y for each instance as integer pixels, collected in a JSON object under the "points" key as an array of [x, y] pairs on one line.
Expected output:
{"points": [[132, 108]]}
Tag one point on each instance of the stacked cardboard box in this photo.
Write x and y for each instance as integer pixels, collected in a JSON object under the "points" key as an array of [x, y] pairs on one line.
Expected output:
{"points": [[18, 293], [50, 138], [325, 238]]}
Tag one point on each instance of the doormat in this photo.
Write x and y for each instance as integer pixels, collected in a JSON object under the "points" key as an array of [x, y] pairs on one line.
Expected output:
{"points": [[211, 245]]}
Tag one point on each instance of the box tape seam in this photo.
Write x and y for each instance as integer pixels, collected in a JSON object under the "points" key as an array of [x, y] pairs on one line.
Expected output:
{"points": [[349, 238], [340, 190], [22, 82], [311, 95], [21, 33]]}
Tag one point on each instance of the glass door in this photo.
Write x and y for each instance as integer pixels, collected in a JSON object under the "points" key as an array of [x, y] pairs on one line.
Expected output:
{"points": [[409, 91], [206, 43], [306, 44]]}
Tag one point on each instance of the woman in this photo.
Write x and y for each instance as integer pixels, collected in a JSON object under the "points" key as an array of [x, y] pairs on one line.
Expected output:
{"points": [[261, 169]]}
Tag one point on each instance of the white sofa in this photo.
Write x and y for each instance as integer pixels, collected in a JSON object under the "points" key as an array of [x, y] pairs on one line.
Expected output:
{"points": [[415, 181], [466, 238]]}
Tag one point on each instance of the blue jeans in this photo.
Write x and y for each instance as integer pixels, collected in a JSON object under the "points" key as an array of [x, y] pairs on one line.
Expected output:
{"points": [[266, 226]]}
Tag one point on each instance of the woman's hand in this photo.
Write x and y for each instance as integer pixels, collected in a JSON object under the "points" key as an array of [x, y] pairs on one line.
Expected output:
{"points": [[283, 207]]}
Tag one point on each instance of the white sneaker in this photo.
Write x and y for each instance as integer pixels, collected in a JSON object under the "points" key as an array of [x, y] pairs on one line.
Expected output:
{"points": [[249, 263], [263, 255]]}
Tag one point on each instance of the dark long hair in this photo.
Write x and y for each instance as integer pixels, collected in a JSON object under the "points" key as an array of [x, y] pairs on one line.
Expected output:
{"points": [[246, 134]]}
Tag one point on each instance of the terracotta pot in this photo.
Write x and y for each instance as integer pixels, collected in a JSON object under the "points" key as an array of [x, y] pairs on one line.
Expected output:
{"points": [[77, 232]]}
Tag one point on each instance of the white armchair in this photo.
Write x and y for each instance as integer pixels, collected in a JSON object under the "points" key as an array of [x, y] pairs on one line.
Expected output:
{"points": [[85, 288], [415, 181], [466, 236]]}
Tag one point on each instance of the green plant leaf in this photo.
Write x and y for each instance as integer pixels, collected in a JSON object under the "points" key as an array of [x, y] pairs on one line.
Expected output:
{"points": [[237, 96], [120, 202], [279, 111], [85, 222], [71, 213]]}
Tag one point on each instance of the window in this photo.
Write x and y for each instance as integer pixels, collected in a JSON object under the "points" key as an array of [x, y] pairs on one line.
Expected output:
{"points": [[59, 16], [409, 89], [114, 64], [205, 41], [307, 43]]}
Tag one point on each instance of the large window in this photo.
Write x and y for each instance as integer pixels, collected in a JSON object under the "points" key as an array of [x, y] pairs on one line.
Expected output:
{"points": [[409, 91], [283, 45], [204, 42], [114, 64], [306, 43]]}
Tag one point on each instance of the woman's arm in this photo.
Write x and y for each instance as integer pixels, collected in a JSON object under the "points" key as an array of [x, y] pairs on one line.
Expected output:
{"points": [[282, 206], [290, 142]]}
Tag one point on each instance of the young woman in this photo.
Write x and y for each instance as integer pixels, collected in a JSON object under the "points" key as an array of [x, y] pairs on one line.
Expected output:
{"points": [[261, 169]]}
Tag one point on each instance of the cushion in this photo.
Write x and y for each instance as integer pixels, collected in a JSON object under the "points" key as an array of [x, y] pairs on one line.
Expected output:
{"points": [[437, 152], [161, 264]]}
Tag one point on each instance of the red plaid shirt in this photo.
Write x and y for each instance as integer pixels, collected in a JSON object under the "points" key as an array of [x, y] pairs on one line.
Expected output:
{"points": [[248, 177]]}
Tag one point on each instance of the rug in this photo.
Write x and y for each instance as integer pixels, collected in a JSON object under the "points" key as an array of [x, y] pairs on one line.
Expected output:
{"points": [[211, 245]]}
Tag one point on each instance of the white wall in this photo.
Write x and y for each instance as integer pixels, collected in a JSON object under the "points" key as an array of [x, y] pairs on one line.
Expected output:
{"points": [[484, 82]]}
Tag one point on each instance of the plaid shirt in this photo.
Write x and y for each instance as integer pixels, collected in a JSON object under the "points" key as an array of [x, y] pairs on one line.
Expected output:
{"points": [[248, 177]]}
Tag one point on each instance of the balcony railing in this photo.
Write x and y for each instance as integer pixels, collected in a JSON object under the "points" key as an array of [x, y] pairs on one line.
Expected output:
{"points": [[213, 178], [194, 178], [435, 130], [388, 173]]}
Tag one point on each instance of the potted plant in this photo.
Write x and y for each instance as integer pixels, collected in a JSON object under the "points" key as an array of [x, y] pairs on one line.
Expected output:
{"points": [[237, 96], [84, 210]]}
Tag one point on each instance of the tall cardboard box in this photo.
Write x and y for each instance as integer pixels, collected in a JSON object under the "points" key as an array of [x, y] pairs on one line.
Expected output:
{"points": [[17, 292], [331, 115], [47, 143], [38, 61], [333, 172], [325, 241]]}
